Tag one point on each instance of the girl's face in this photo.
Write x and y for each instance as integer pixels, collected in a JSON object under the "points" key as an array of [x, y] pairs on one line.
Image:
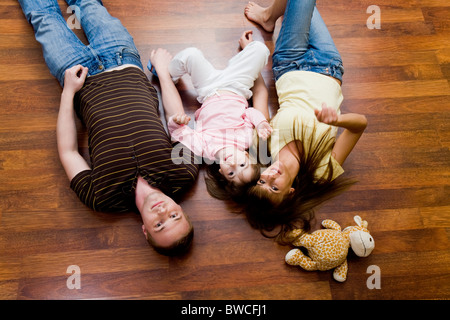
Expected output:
{"points": [[276, 182], [236, 166]]}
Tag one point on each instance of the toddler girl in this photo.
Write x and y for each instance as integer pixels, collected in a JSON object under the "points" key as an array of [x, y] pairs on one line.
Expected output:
{"points": [[224, 123]]}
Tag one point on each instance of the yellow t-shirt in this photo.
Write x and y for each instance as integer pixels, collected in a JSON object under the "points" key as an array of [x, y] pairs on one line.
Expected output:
{"points": [[299, 93]]}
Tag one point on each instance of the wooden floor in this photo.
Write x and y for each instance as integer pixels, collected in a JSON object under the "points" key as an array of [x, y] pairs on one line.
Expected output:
{"points": [[398, 76]]}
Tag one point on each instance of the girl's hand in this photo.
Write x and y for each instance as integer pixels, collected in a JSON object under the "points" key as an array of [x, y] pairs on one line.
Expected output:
{"points": [[74, 78], [264, 130], [181, 118], [326, 115], [246, 38], [161, 59]]}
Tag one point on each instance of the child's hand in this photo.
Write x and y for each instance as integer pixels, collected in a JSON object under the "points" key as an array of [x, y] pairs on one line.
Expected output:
{"points": [[264, 130], [181, 118], [326, 115], [161, 59], [246, 38]]}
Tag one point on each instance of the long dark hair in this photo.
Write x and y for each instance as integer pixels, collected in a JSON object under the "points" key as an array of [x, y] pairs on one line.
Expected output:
{"points": [[222, 189], [297, 209]]}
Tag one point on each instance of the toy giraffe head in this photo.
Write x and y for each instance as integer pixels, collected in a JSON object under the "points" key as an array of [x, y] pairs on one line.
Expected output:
{"points": [[361, 241]]}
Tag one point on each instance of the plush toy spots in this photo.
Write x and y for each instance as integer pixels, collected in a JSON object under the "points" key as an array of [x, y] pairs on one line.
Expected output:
{"points": [[328, 248]]}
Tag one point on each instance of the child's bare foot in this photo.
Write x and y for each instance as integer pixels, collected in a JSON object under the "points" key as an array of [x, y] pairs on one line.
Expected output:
{"points": [[260, 15]]}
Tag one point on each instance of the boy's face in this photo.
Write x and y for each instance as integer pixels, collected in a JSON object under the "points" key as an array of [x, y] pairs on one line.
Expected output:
{"points": [[237, 167], [163, 219]]}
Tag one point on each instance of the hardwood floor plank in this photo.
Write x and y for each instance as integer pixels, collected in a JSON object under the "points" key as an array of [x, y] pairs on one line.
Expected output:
{"points": [[291, 291], [394, 44], [8, 290], [396, 89], [395, 288], [97, 286], [45, 240], [403, 276], [93, 262], [363, 199], [436, 217], [17, 220], [401, 73], [409, 240], [398, 106], [405, 158], [398, 76], [388, 59], [403, 178]]}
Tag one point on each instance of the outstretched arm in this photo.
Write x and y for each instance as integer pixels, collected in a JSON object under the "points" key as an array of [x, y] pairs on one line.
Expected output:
{"points": [[259, 89], [171, 99], [179, 131], [261, 97], [354, 125], [66, 131]]}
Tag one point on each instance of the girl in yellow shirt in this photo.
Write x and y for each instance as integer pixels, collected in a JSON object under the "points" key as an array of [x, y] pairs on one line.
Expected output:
{"points": [[306, 157]]}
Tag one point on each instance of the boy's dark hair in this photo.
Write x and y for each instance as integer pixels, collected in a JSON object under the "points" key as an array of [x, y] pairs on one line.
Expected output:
{"points": [[178, 248], [297, 209]]}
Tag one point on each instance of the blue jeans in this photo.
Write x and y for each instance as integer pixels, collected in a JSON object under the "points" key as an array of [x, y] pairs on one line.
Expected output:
{"points": [[304, 43], [110, 44]]}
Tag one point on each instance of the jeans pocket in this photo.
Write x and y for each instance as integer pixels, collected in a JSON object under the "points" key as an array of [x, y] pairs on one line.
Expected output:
{"points": [[284, 66], [126, 55], [132, 52]]}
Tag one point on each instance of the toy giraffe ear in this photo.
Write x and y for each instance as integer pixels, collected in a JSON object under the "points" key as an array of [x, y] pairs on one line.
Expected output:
{"points": [[358, 220]]}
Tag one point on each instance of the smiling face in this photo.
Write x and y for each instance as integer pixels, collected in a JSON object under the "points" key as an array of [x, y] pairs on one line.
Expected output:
{"points": [[236, 167], [276, 182], [164, 220]]}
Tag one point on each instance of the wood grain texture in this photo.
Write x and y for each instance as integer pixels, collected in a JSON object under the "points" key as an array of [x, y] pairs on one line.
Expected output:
{"points": [[398, 76]]}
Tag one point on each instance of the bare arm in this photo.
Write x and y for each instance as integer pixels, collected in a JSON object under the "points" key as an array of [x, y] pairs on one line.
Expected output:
{"points": [[66, 132], [171, 99], [261, 97], [354, 125], [260, 92]]}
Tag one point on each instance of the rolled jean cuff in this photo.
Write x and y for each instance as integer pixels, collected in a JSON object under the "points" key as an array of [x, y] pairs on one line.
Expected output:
{"points": [[333, 69]]}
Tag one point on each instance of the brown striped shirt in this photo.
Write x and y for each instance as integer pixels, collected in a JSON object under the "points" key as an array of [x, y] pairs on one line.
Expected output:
{"points": [[126, 139]]}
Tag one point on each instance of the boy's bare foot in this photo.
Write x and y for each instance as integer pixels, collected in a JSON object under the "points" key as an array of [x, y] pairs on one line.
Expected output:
{"points": [[260, 15]]}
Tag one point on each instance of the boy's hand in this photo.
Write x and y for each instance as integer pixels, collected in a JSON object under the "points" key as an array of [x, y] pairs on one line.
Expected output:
{"points": [[160, 60], [246, 38], [74, 78], [326, 115], [181, 118], [264, 130]]}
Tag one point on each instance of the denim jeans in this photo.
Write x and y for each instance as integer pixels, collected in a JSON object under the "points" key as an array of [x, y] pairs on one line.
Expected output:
{"points": [[304, 43], [110, 44]]}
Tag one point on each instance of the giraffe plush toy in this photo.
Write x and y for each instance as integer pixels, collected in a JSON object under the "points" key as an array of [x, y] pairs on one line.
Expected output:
{"points": [[328, 248]]}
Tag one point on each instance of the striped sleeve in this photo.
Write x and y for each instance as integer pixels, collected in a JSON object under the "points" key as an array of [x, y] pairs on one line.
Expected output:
{"points": [[82, 185]]}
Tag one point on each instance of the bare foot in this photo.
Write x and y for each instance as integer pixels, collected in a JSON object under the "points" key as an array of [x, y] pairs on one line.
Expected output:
{"points": [[260, 15]]}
